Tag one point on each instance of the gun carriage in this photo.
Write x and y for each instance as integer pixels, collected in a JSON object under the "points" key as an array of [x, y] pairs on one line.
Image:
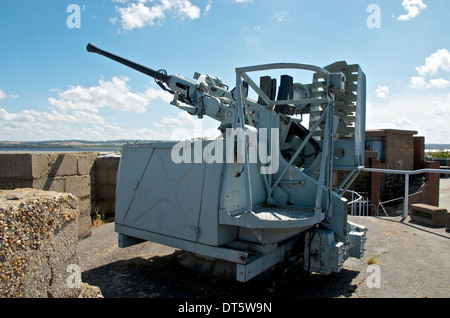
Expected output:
{"points": [[250, 208]]}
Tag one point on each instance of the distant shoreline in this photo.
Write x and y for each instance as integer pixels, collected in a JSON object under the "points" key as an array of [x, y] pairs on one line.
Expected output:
{"points": [[66, 144], [63, 146], [107, 146], [5, 150]]}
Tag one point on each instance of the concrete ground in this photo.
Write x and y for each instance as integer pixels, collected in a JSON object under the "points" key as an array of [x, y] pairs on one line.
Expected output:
{"points": [[407, 260], [444, 193], [402, 259]]}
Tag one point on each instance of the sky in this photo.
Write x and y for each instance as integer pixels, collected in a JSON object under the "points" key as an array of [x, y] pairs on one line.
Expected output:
{"points": [[51, 88]]}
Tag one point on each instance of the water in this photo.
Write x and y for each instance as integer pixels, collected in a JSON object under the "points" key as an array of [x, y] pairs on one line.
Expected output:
{"points": [[56, 149], [437, 147]]}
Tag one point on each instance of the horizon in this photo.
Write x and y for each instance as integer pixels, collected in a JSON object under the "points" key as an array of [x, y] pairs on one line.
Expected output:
{"points": [[52, 87], [128, 141]]}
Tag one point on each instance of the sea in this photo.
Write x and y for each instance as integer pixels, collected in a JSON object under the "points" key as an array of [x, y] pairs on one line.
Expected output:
{"points": [[428, 148], [437, 147], [56, 149]]}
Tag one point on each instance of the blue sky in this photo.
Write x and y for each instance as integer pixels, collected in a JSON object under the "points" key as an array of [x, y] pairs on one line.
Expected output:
{"points": [[51, 88]]}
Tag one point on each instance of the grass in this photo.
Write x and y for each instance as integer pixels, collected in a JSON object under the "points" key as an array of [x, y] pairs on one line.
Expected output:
{"points": [[99, 217], [372, 260]]}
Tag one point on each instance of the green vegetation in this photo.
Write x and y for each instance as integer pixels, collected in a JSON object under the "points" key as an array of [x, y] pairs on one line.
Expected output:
{"points": [[439, 154], [372, 260], [99, 217]]}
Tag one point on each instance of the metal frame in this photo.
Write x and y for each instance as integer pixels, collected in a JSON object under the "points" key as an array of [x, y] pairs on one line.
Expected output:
{"points": [[247, 265], [327, 116]]}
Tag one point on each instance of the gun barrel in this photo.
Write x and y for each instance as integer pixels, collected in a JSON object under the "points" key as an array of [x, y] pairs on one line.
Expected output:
{"points": [[162, 76]]}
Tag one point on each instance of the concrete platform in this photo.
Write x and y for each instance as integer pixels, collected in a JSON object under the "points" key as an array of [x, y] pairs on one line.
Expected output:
{"points": [[411, 260]]}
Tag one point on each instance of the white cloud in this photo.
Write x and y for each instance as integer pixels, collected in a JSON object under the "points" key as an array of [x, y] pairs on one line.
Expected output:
{"points": [[182, 8], [243, 1], [76, 114], [31, 125], [281, 16], [186, 126], [208, 7], [36, 125], [404, 123], [382, 92], [413, 8], [438, 83], [426, 112], [420, 82], [3, 95], [115, 94], [439, 60], [251, 39], [138, 15], [436, 61], [173, 122], [79, 113]]}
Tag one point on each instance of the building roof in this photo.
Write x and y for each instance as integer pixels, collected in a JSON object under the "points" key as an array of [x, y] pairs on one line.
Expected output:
{"points": [[384, 132]]}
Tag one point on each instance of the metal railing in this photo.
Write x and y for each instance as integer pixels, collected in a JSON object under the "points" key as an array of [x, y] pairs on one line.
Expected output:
{"points": [[407, 173], [358, 206], [380, 204]]}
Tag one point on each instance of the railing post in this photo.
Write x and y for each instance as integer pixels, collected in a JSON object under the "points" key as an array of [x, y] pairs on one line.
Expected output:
{"points": [[353, 202], [406, 199]]}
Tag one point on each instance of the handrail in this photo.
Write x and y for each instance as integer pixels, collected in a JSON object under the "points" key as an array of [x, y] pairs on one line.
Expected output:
{"points": [[407, 173]]}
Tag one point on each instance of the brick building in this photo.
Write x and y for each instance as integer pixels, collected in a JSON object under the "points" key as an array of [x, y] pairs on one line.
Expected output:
{"points": [[395, 150]]}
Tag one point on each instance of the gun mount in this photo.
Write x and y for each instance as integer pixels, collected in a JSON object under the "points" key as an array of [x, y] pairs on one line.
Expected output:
{"points": [[251, 208]]}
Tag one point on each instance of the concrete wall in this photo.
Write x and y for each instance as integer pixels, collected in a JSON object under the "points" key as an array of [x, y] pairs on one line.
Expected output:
{"points": [[105, 184], [399, 147], [61, 172], [38, 239]]}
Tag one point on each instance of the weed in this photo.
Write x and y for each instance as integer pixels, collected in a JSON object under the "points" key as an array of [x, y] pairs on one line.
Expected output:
{"points": [[99, 217], [372, 260]]}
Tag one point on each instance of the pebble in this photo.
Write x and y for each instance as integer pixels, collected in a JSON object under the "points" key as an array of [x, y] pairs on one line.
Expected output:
{"points": [[26, 218]]}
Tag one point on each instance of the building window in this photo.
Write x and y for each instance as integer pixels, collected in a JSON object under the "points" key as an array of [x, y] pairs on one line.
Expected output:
{"points": [[376, 144]]}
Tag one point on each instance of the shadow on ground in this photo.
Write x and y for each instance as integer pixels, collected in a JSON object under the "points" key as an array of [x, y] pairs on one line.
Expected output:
{"points": [[164, 277]]}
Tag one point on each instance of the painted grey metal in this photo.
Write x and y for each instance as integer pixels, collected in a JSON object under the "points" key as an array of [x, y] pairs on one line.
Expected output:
{"points": [[248, 212]]}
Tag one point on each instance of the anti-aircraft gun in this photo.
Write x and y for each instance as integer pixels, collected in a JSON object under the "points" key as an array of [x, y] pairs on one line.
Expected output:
{"points": [[262, 193]]}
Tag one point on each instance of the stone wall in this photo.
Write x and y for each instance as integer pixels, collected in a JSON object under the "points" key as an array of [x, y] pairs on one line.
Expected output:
{"points": [[38, 239], [62, 172], [105, 184]]}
